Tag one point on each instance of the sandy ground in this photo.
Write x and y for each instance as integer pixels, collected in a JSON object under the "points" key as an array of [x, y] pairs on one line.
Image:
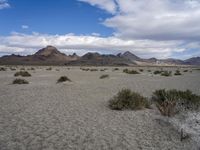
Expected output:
{"points": [[73, 116]]}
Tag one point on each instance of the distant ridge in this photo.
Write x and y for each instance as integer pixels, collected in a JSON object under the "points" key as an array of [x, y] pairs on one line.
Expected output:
{"points": [[50, 55]]}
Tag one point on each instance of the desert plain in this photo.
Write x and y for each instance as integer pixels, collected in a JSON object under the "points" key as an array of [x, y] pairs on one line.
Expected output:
{"points": [[46, 115]]}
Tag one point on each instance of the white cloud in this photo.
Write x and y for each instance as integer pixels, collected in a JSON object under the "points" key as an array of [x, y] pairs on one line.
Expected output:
{"points": [[17, 42], [153, 19], [108, 5], [4, 4], [25, 26]]}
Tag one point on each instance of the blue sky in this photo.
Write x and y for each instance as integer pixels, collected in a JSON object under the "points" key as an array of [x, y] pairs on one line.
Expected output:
{"points": [[53, 17], [156, 28]]}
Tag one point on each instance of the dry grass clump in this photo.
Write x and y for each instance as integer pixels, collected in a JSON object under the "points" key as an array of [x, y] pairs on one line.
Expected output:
{"points": [[177, 73], [130, 71], [85, 69], [2, 69], [63, 79], [20, 81], [22, 73], [126, 99], [104, 76], [172, 101]]}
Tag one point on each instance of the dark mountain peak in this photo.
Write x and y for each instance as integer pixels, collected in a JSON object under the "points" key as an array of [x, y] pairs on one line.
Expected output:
{"points": [[48, 51], [91, 55], [130, 56]]}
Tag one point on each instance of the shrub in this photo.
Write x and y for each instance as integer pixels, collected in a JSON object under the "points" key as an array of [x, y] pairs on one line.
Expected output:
{"points": [[149, 70], [115, 69], [104, 76], [141, 70], [22, 73], [130, 71], [63, 79], [93, 70], [12, 69], [185, 70], [177, 73], [172, 101], [126, 99], [2, 69], [157, 72], [49, 69], [22, 68], [20, 81], [166, 73]]}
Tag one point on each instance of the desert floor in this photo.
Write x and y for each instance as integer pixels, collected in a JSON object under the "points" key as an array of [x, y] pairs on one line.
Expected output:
{"points": [[74, 115]]}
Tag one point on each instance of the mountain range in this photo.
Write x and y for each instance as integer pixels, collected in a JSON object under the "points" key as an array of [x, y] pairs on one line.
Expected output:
{"points": [[51, 56]]}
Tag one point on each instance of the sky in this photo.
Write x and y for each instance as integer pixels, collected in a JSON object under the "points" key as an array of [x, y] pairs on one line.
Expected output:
{"points": [[156, 28]]}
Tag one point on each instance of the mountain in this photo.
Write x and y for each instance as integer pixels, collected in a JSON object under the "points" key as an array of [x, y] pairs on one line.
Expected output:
{"points": [[193, 61], [46, 56], [97, 59], [52, 56]]}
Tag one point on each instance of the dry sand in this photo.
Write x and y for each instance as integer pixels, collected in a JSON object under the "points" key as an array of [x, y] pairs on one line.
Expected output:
{"points": [[74, 115]]}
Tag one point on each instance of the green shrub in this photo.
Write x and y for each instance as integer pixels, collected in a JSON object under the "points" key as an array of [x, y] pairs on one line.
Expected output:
{"points": [[22, 73], [20, 81], [93, 70], [63, 79], [49, 69], [157, 72], [104, 76], [172, 101], [2, 69], [185, 70], [115, 69], [130, 71], [177, 73], [141, 70], [126, 99], [166, 73]]}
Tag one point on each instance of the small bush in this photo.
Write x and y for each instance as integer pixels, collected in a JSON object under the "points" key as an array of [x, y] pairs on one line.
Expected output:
{"points": [[177, 73], [22, 68], [2, 69], [141, 70], [126, 99], [115, 69], [130, 71], [149, 70], [22, 73], [157, 72], [12, 69], [63, 79], [20, 81], [49, 69], [104, 76], [93, 70], [185, 70], [171, 102], [166, 73]]}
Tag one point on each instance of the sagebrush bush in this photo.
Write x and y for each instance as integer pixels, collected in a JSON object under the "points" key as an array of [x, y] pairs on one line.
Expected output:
{"points": [[115, 69], [141, 70], [2, 69], [173, 101], [22, 73], [177, 73], [185, 70], [104, 76], [157, 72], [20, 81], [166, 73], [126, 99], [130, 71], [49, 69], [93, 70], [63, 79]]}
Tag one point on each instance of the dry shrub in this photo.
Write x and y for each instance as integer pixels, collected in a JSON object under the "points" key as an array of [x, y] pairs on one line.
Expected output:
{"points": [[20, 81], [63, 79], [22, 73]]}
